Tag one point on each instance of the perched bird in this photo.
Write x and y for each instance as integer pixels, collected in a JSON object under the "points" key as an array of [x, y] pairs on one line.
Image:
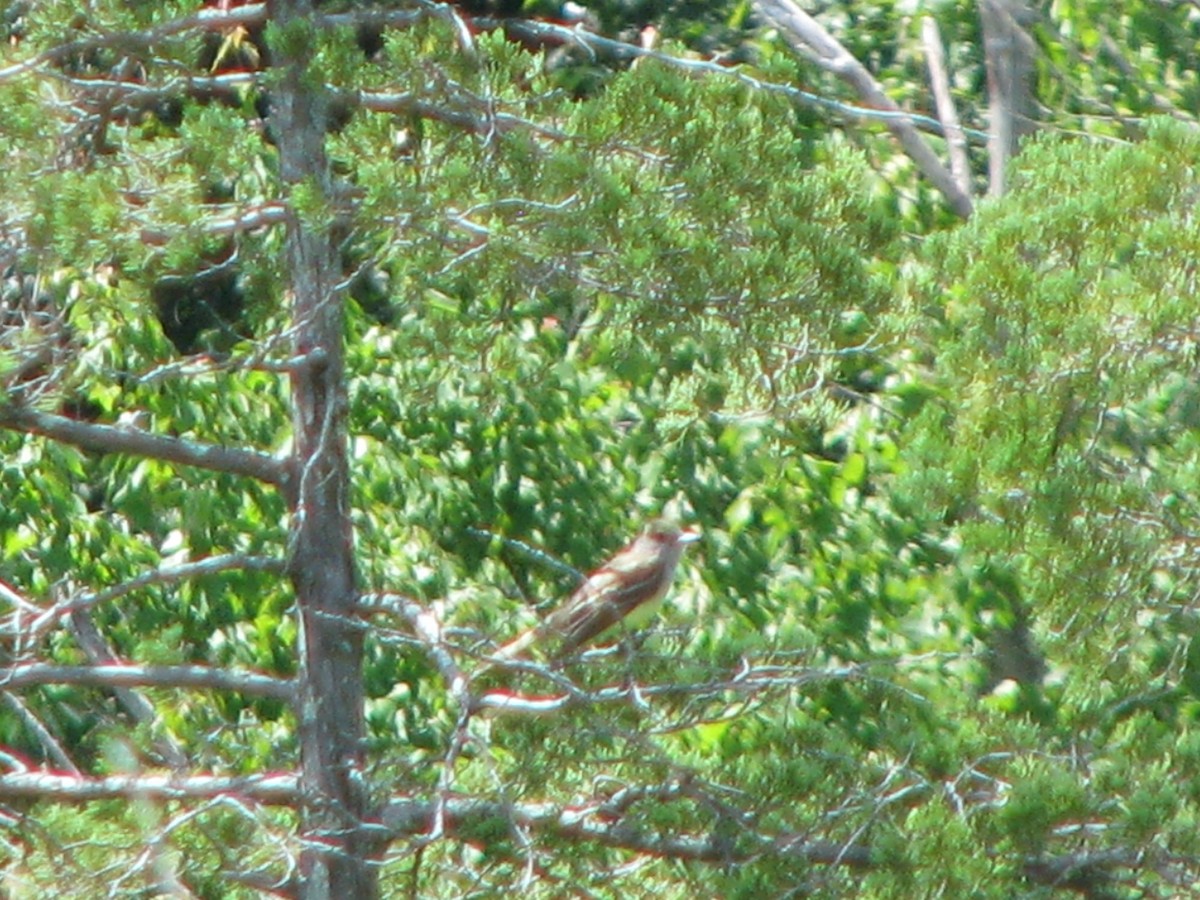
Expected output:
{"points": [[627, 588]]}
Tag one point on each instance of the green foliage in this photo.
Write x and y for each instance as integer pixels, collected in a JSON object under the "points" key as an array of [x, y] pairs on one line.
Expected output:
{"points": [[1066, 301], [673, 295], [1053, 322]]}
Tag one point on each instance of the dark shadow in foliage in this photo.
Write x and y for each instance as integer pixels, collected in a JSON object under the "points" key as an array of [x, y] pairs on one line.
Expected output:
{"points": [[189, 304], [370, 287], [1011, 651]]}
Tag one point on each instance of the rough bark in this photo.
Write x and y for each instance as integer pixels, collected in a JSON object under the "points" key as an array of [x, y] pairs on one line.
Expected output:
{"points": [[335, 860]]}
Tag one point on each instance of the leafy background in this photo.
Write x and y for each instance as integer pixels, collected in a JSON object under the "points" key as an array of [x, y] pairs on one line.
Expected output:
{"points": [[945, 470]]}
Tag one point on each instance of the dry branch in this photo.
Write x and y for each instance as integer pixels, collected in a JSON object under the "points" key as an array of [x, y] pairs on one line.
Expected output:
{"points": [[1088, 872], [604, 822], [808, 37], [50, 745], [939, 78], [532, 31], [278, 789], [94, 646], [28, 631], [119, 676], [428, 630], [113, 439], [205, 20]]}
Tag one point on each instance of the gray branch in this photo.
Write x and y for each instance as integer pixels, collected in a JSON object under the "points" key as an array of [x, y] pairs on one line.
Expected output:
{"points": [[46, 618], [277, 789], [122, 676], [1088, 872], [808, 37], [49, 743], [939, 79], [99, 653], [602, 823], [111, 439]]}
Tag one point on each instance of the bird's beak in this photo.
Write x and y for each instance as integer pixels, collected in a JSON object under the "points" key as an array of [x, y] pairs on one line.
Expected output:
{"points": [[689, 536]]}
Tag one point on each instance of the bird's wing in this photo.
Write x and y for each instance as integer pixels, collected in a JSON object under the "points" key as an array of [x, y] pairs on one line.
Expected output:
{"points": [[602, 601], [590, 611]]}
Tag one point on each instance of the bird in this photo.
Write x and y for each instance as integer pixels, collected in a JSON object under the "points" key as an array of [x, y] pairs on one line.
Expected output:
{"points": [[627, 590]]}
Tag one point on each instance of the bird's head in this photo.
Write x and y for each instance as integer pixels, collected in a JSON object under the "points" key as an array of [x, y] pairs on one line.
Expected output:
{"points": [[667, 531]]}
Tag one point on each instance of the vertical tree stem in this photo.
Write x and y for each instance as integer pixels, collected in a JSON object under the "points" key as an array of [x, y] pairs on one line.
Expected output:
{"points": [[335, 857]]}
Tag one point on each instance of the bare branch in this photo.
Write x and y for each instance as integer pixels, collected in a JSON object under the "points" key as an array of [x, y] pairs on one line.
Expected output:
{"points": [[956, 141], [207, 20], [807, 36], [8, 594], [280, 789], [535, 32], [1087, 872], [49, 743], [604, 823], [262, 215], [111, 439], [115, 676], [169, 575], [747, 681], [484, 122], [548, 32], [98, 652], [428, 629]]}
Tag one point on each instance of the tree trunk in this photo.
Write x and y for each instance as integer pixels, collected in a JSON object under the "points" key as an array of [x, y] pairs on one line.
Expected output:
{"points": [[336, 846], [1009, 52]]}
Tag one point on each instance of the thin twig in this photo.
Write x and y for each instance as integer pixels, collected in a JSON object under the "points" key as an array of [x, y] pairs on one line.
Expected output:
{"points": [[211, 565]]}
